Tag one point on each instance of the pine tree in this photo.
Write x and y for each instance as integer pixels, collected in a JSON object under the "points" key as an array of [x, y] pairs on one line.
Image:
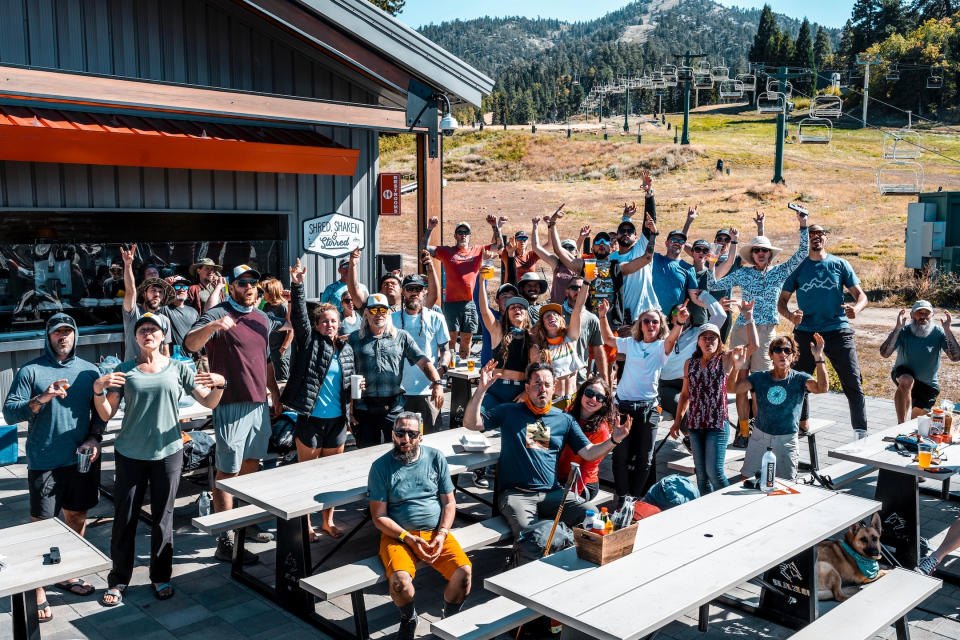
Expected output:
{"points": [[845, 48], [935, 9], [784, 48], [821, 48], [766, 36], [393, 7], [803, 47]]}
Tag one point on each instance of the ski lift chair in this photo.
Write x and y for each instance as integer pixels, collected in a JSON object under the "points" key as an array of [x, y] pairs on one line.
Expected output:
{"points": [[669, 69], [814, 131], [900, 178], [773, 85], [771, 102], [702, 81], [826, 107], [731, 89], [748, 80], [934, 81], [703, 67], [893, 73], [719, 74], [902, 144], [685, 74]]}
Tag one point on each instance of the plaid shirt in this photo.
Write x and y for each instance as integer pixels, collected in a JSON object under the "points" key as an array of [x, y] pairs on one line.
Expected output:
{"points": [[380, 361]]}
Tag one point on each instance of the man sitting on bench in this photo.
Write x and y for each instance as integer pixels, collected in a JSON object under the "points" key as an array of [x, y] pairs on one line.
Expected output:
{"points": [[413, 506]]}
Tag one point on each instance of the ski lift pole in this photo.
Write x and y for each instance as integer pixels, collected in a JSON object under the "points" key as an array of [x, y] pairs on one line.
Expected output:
{"points": [[687, 58], [626, 109], [782, 76]]}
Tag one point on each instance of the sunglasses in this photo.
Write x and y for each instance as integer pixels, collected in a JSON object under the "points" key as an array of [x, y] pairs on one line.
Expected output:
{"points": [[379, 311], [595, 395], [413, 289], [409, 433], [601, 241], [574, 287], [346, 300], [245, 282], [521, 238], [785, 350], [147, 329], [461, 232], [627, 232], [651, 321], [181, 287], [675, 239], [759, 250], [817, 234], [722, 240], [701, 250]]}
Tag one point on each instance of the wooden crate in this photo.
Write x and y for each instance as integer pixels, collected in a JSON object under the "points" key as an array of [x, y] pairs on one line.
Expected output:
{"points": [[599, 549]]}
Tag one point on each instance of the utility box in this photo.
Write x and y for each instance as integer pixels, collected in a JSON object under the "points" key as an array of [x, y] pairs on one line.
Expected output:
{"points": [[925, 234]]}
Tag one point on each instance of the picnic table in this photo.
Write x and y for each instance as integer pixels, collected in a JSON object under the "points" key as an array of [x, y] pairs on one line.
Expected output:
{"points": [[294, 491], [898, 486], [688, 556], [25, 548]]}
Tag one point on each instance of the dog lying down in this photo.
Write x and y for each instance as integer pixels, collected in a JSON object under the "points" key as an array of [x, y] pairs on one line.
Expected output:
{"points": [[852, 560]]}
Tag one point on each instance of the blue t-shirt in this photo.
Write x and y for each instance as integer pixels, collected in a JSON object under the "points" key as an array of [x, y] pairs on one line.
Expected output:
{"points": [[779, 401], [530, 445], [819, 285], [328, 400], [412, 491], [333, 292], [921, 355], [671, 280]]}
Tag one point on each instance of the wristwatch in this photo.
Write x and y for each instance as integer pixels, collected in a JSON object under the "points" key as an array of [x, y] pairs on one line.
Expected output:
{"points": [[436, 383]]}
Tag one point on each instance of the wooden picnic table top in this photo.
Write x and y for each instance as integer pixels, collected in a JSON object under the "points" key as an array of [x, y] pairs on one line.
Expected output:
{"points": [[299, 489], [682, 558], [875, 452], [25, 545], [463, 373]]}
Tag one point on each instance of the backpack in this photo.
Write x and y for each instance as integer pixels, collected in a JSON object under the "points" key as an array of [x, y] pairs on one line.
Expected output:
{"points": [[672, 491], [282, 433], [532, 541], [198, 450]]}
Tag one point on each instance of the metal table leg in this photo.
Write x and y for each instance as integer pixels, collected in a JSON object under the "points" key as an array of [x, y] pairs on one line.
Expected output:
{"points": [[24, 609], [899, 493]]}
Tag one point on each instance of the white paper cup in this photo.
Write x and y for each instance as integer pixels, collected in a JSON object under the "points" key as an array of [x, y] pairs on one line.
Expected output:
{"points": [[923, 426], [355, 381]]}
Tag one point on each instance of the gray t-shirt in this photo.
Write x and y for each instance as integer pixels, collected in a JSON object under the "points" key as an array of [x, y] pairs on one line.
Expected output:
{"points": [[131, 350], [921, 355], [589, 337], [181, 319], [150, 429], [412, 491]]}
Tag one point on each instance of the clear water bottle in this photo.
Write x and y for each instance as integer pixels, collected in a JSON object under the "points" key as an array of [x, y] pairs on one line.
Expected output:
{"points": [[768, 470], [205, 504]]}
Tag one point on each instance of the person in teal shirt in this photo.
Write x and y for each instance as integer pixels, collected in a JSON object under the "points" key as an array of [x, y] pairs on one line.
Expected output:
{"points": [[148, 450], [918, 346]]}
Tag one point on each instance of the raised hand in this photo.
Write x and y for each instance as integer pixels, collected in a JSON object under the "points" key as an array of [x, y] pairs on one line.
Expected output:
{"points": [[488, 375], [585, 231], [425, 259], [947, 320], [682, 314], [535, 220], [297, 272], [692, 213], [738, 355], [511, 247], [629, 209], [355, 256], [559, 210], [902, 318], [758, 219], [649, 223], [492, 220], [603, 308], [621, 427], [127, 254], [109, 381], [647, 181], [734, 235], [433, 223], [816, 349], [502, 220], [556, 217], [746, 308]]}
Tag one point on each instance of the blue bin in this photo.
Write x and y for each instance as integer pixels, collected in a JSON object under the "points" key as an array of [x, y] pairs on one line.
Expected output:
{"points": [[8, 444]]}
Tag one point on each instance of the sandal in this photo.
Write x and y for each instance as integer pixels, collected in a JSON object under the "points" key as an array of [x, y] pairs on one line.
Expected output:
{"points": [[114, 592], [163, 591], [336, 531], [41, 607], [76, 586]]}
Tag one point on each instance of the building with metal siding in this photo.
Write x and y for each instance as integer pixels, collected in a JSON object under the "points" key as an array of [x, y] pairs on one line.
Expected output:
{"points": [[341, 68]]}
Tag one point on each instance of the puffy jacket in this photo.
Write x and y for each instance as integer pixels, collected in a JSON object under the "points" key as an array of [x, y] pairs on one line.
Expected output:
{"points": [[312, 359]]}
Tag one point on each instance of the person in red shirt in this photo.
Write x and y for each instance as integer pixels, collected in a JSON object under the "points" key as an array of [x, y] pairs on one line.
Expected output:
{"points": [[461, 264], [593, 410], [524, 260]]}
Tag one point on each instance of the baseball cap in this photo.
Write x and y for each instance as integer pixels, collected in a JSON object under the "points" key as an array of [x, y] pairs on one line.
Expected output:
{"points": [[377, 300], [626, 224], [517, 300], [414, 279], [712, 328], [568, 244], [154, 318], [677, 232], [701, 243], [921, 304], [507, 286], [602, 235], [552, 306], [463, 225], [343, 264], [521, 234], [243, 269]]}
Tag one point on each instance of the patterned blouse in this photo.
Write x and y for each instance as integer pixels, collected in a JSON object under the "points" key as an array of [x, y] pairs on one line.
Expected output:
{"points": [[762, 286], [708, 394]]}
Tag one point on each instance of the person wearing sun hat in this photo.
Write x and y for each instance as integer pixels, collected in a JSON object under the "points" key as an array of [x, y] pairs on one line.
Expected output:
{"points": [[182, 316], [760, 282], [156, 293], [207, 274]]}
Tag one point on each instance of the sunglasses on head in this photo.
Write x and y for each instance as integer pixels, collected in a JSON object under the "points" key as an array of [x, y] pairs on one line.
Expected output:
{"points": [[379, 311], [701, 250], [601, 241], [409, 433], [246, 282], [785, 350], [596, 395]]}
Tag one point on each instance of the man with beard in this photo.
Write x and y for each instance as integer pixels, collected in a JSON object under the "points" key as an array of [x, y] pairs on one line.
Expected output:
{"points": [[379, 350], [918, 358], [235, 334], [389, 285], [181, 315], [638, 291], [428, 328], [532, 434], [156, 294], [532, 285], [207, 273], [673, 279], [590, 341], [461, 264], [53, 394], [819, 282], [413, 505]]}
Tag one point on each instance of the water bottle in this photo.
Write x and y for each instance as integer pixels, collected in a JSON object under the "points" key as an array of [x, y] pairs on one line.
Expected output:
{"points": [[588, 520], [768, 466], [204, 504], [597, 526]]}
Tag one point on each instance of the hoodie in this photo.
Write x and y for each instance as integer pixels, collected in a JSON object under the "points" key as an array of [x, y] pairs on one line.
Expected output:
{"points": [[61, 425]]}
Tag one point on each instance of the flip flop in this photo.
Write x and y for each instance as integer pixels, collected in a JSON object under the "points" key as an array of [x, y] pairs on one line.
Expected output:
{"points": [[115, 592], [163, 591], [40, 609], [76, 587]]}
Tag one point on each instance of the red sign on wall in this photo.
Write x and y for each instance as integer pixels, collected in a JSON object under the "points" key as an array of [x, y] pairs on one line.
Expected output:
{"points": [[389, 194]]}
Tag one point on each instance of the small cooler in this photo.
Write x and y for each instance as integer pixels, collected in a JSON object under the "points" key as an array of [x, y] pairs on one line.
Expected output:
{"points": [[8, 444]]}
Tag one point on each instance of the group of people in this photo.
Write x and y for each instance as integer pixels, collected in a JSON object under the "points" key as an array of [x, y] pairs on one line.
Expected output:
{"points": [[571, 370]]}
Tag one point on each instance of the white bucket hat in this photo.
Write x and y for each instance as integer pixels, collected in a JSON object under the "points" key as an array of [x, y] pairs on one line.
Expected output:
{"points": [[763, 242]]}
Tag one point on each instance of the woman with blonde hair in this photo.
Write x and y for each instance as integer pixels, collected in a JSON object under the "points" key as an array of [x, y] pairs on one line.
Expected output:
{"points": [[645, 353], [274, 304], [555, 343]]}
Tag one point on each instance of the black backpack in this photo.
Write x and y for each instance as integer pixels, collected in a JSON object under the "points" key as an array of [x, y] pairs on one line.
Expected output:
{"points": [[533, 541]]}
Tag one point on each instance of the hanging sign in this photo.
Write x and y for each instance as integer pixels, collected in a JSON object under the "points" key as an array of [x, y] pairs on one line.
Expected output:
{"points": [[389, 194], [333, 235]]}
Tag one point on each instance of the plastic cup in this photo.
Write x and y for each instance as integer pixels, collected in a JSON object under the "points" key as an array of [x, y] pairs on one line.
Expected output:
{"points": [[487, 271], [83, 460], [923, 426], [924, 454], [471, 363], [590, 269], [715, 249], [355, 390]]}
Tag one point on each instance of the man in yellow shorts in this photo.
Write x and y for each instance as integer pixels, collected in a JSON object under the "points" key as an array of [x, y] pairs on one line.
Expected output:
{"points": [[412, 504]]}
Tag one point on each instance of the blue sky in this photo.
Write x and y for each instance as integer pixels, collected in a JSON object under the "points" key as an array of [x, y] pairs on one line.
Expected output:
{"points": [[831, 13]]}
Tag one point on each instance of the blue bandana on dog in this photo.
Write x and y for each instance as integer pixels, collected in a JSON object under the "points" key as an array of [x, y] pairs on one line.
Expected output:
{"points": [[869, 567]]}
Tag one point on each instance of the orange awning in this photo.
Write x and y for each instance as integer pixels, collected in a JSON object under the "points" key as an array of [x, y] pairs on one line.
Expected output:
{"points": [[75, 137]]}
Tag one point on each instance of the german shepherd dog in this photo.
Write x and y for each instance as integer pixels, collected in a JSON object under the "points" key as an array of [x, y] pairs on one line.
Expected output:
{"points": [[836, 567]]}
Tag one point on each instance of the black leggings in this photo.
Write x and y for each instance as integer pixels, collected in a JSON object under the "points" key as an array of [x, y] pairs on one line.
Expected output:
{"points": [[634, 466]]}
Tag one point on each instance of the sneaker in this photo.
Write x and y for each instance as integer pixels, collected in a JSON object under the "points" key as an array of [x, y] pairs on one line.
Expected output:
{"points": [[480, 479], [740, 442], [859, 434], [256, 534], [927, 565], [224, 552], [408, 628]]}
